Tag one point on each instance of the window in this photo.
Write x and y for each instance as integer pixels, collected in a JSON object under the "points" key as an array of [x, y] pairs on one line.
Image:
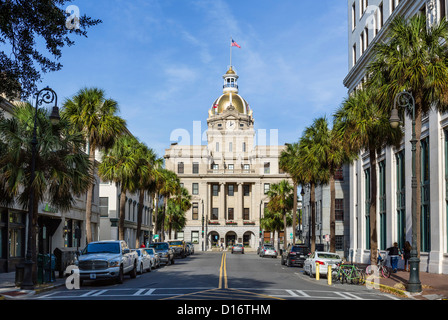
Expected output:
{"points": [[367, 206], [354, 54], [267, 186], [246, 214], [382, 205], [361, 43], [104, 206], [267, 167], [215, 168], [214, 214], [246, 168], [217, 146], [339, 209], [401, 199], [195, 211], [244, 146], [339, 174], [195, 236], [230, 146], [366, 36], [180, 167], [380, 14], [339, 243], [425, 214], [195, 189], [230, 190], [230, 214], [195, 167], [215, 190], [353, 16], [246, 190], [230, 168], [442, 9]]}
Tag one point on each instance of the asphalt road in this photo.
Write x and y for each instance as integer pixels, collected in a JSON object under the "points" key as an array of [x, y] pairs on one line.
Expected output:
{"points": [[218, 276]]}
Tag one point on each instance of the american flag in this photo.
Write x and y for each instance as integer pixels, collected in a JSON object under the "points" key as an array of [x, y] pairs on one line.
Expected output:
{"points": [[234, 44]]}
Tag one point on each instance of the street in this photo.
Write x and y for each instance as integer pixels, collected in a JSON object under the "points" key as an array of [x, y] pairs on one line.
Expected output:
{"points": [[218, 276]]}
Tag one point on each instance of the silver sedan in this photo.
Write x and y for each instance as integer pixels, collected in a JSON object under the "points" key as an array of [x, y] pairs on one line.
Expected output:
{"points": [[324, 259]]}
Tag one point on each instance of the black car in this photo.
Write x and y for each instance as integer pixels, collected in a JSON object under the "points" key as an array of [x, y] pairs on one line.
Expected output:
{"points": [[295, 255]]}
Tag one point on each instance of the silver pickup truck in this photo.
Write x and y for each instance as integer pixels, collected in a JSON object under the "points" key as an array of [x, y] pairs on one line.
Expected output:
{"points": [[110, 259]]}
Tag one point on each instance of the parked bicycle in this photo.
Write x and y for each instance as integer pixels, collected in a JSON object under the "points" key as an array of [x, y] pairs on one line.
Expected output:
{"points": [[384, 270], [348, 273]]}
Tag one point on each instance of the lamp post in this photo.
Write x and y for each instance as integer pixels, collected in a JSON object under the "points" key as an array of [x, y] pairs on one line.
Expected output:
{"points": [[405, 100], [46, 96]]}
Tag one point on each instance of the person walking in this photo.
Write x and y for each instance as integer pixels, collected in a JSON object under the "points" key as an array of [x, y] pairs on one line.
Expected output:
{"points": [[407, 255], [394, 253]]}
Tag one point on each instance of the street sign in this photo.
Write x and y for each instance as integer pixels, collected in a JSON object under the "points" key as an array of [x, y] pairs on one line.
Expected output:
{"points": [[156, 237]]}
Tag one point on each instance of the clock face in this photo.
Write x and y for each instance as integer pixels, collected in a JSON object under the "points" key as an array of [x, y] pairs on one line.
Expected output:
{"points": [[231, 124]]}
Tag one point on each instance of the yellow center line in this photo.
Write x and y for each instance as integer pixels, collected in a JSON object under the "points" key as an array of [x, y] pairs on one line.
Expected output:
{"points": [[223, 272]]}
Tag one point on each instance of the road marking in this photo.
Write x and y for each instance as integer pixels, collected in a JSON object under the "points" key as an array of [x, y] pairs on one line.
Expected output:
{"points": [[223, 272], [149, 292], [93, 293], [139, 292], [349, 296]]}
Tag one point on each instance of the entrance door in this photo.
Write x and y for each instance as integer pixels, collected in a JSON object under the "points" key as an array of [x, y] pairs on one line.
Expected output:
{"points": [[230, 239]]}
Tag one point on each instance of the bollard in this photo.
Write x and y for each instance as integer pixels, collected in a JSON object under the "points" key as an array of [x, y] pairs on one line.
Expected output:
{"points": [[329, 275], [317, 271]]}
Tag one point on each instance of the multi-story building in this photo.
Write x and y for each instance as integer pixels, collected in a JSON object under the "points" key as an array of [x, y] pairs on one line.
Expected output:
{"points": [[368, 24], [230, 176]]}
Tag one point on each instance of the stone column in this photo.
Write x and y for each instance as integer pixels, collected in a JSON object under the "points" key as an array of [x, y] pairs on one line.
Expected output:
{"points": [[239, 202], [222, 201]]}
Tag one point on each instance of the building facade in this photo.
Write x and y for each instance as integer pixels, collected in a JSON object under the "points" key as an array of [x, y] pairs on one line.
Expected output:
{"points": [[368, 24], [229, 177]]}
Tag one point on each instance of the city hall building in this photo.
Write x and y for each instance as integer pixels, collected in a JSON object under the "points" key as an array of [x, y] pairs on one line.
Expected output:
{"points": [[229, 177]]}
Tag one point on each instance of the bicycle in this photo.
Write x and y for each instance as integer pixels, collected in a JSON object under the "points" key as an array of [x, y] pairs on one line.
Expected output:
{"points": [[384, 270], [346, 272]]}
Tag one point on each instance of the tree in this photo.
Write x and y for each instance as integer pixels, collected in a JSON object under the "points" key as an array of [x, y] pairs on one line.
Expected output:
{"points": [[119, 164], [281, 200], [273, 221], [414, 59], [331, 155], [144, 175], [169, 186], [288, 163], [310, 172], [363, 125], [21, 22], [96, 118], [61, 171]]}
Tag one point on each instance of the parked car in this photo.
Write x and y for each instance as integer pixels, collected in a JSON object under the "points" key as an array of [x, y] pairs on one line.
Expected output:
{"points": [[165, 252], [191, 246], [238, 248], [144, 261], [179, 247], [295, 255], [323, 259], [155, 259], [268, 250], [110, 259]]}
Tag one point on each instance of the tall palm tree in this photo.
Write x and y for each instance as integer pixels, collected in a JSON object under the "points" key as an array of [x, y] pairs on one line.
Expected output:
{"points": [[146, 159], [310, 172], [119, 164], [273, 221], [363, 125], [331, 156], [414, 59], [288, 163], [281, 200], [169, 187], [62, 168], [96, 117]]}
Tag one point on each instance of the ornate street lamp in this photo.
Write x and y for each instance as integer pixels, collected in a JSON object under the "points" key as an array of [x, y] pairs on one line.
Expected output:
{"points": [[46, 96], [405, 100]]}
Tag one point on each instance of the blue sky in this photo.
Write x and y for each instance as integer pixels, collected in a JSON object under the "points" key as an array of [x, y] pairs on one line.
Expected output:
{"points": [[163, 61]]}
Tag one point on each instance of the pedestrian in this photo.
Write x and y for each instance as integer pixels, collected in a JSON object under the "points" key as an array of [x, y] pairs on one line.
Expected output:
{"points": [[407, 255], [394, 253], [142, 245]]}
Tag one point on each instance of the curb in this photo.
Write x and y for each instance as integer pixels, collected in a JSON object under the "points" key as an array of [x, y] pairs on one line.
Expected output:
{"points": [[30, 293], [382, 287]]}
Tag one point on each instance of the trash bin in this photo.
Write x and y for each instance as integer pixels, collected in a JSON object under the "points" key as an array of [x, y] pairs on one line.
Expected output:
{"points": [[64, 258], [20, 270]]}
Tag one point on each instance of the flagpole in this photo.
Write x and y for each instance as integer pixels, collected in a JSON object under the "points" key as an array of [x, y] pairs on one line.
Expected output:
{"points": [[230, 51]]}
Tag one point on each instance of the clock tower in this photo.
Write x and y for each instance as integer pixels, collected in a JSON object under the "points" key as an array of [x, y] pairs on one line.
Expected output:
{"points": [[230, 133]]}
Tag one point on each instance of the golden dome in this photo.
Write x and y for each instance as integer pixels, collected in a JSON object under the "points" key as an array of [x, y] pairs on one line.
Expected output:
{"points": [[224, 101], [230, 71]]}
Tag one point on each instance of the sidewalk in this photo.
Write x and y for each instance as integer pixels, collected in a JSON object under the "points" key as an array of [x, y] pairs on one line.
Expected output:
{"points": [[434, 286], [9, 291]]}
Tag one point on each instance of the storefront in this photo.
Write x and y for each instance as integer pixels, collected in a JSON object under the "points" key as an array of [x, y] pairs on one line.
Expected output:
{"points": [[12, 238]]}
